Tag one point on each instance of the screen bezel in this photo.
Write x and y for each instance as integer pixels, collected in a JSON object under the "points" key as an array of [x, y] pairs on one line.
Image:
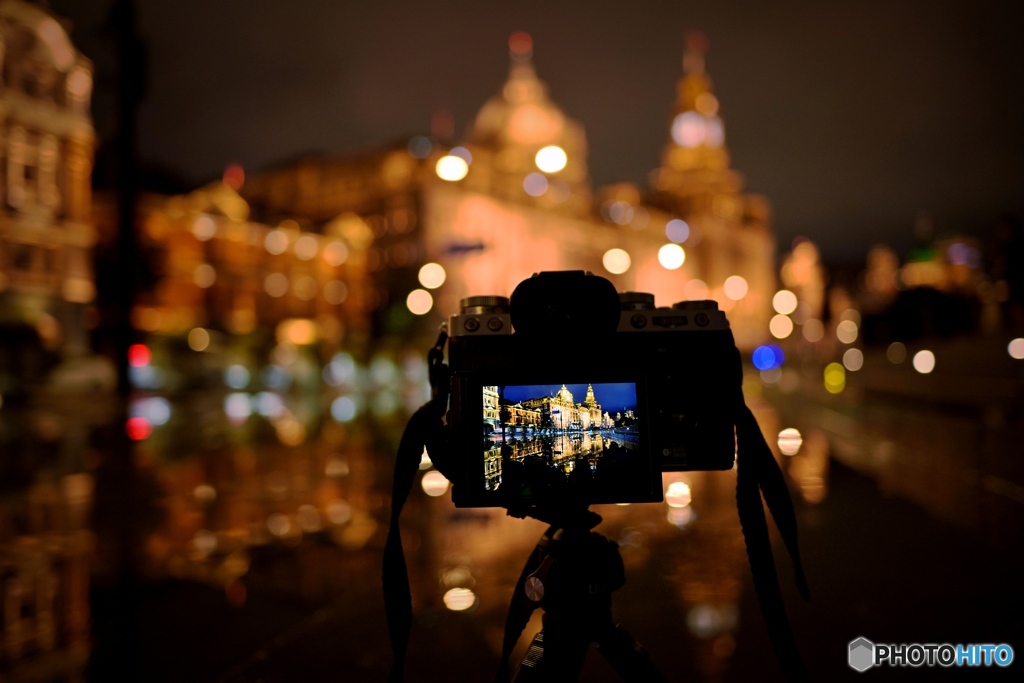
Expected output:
{"points": [[470, 491]]}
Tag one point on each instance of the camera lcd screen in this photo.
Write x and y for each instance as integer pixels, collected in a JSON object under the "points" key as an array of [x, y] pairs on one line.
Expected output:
{"points": [[584, 441]]}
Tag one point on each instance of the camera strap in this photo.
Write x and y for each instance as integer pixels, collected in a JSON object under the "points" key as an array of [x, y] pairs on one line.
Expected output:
{"points": [[424, 430], [757, 474]]}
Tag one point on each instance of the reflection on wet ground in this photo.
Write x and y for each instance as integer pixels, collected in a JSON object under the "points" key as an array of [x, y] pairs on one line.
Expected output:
{"points": [[258, 542], [576, 455]]}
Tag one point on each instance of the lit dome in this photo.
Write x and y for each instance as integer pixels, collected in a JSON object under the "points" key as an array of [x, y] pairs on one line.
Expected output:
{"points": [[521, 120]]}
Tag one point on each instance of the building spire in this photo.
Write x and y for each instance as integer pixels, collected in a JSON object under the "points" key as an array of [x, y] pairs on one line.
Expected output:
{"points": [[697, 131]]}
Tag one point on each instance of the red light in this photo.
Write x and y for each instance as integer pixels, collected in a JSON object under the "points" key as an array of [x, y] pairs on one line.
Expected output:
{"points": [[139, 355], [138, 428], [520, 44], [234, 176]]}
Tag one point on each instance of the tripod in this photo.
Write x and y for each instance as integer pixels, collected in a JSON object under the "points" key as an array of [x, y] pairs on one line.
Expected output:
{"points": [[571, 574]]}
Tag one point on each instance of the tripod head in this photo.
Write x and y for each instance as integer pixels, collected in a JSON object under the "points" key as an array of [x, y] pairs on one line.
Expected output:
{"points": [[571, 574]]}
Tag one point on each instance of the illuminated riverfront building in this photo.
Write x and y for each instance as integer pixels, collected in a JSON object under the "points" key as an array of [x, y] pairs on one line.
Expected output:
{"points": [[230, 273], [513, 198], [46, 236], [562, 412]]}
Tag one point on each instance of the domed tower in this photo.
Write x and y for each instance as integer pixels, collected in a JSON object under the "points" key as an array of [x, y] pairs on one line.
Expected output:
{"points": [[526, 148], [729, 239], [695, 156]]}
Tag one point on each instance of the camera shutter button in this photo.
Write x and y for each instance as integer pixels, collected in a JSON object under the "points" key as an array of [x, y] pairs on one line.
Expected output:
{"points": [[472, 325], [495, 324], [638, 321]]}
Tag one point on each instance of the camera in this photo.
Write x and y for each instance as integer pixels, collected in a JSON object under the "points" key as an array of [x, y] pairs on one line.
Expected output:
{"points": [[573, 392]]}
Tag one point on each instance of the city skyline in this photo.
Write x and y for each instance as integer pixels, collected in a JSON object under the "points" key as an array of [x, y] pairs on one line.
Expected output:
{"points": [[611, 397], [849, 145]]}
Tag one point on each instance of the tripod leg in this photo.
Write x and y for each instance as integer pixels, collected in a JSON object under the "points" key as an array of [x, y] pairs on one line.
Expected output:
{"points": [[552, 658], [628, 657]]}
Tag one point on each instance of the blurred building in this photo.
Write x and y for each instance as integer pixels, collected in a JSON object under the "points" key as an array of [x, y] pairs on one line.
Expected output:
{"points": [[46, 236], [514, 198], [219, 277]]}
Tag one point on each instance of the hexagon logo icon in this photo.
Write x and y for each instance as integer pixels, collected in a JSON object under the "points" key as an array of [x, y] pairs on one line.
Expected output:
{"points": [[862, 654]]}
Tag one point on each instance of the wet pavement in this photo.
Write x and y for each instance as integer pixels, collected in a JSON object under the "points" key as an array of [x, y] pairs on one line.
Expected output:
{"points": [[258, 540]]}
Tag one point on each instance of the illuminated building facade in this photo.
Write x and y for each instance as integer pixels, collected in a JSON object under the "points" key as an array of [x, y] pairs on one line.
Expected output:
{"points": [[514, 199], [562, 412], [46, 237], [232, 275]]}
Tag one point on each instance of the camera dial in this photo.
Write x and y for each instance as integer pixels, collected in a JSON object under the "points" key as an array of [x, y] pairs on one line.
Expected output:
{"points": [[636, 301], [483, 304]]}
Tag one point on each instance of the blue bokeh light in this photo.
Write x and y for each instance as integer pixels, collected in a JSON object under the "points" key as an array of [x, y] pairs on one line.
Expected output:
{"points": [[768, 357]]}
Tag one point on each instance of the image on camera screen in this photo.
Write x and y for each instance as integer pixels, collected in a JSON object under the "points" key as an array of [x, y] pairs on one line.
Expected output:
{"points": [[580, 439]]}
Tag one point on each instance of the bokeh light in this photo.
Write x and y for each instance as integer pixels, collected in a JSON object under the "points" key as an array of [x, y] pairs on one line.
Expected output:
{"points": [[343, 409], [138, 428], [1016, 348], [238, 407], [790, 441], [419, 301], [237, 376], [924, 361], [420, 147], [155, 409], [306, 247], [432, 275], [551, 159], [621, 212], [677, 231], [276, 242], [276, 284], [671, 256], [139, 355], [198, 339], [204, 228], [814, 330], [735, 287], [434, 484], [780, 326], [835, 378], [204, 276], [846, 331], [461, 153], [678, 494], [896, 353], [451, 168], [853, 360], [767, 357], [535, 184], [335, 253], [784, 302], [616, 261], [695, 290], [459, 599]]}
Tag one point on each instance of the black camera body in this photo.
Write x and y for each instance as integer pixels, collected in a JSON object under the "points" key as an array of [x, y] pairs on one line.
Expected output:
{"points": [[660, 393]]}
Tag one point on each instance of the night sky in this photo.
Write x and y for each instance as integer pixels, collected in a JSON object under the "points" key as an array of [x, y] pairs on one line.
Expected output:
{"points": [[612, 397], [851, 117]]}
